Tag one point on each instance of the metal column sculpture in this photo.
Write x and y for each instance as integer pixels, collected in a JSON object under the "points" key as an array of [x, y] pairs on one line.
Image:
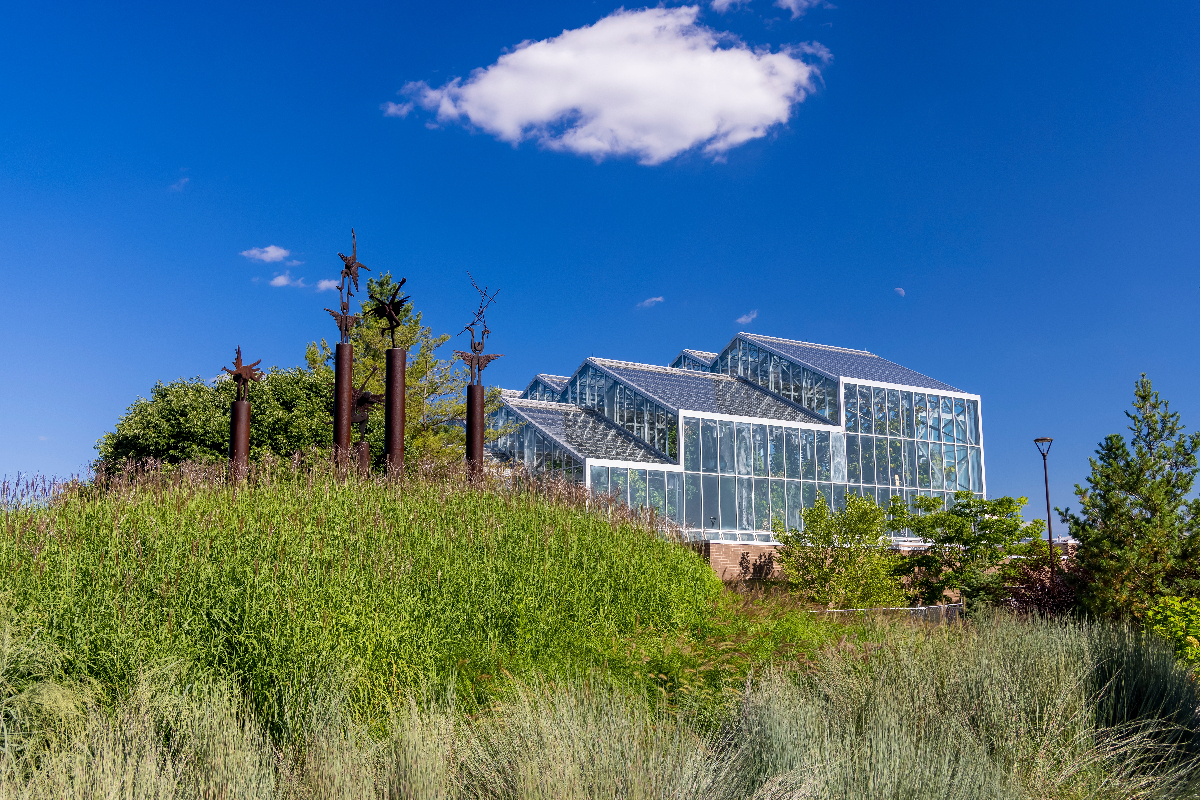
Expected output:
{"points": [[343, 363], [390, 310], [476, 361], [362, 402], [239, 415]]}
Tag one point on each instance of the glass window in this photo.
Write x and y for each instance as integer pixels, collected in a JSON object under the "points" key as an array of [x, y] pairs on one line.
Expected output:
{"points": [[819, 396], [837, 446], [778, 504], [823, 456], [883, 476], [810, 494], [964, 469], [834, 406], [895, 463], [729, 503], [599, 480], [851, 394], [893, 413], [637, 488], [839, 496], [727, 447], [922, 416], [853, 473], [745, 504], [935, 425], [618, 483], [864, 408], [708, 441], [868, 460], [762, 504], [935, 466], [787, 389], [693, 507], [879, 403], [972, 422], [825, 490], [752, 363], [791, 453], [976, 470], [947, 419], [759, 453], [950, 467], [776, 451], [674, 487], [910, 463], [795, 504], [744, 452], [656, 492], [808, 456], [906, 406], [960, 421], [712, 502], [923, 464]]}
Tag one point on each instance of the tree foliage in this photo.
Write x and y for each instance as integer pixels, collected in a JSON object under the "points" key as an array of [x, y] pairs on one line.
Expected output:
{"points": [[967, 545], [1138, 533], [844, 558]]}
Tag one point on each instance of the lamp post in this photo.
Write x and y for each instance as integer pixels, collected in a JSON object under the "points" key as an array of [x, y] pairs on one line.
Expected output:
{"points": [[1043, 445]]}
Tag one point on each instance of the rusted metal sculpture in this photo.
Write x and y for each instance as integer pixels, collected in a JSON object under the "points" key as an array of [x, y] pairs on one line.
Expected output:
{"points": [[396, 367], [476, 361], [362, 402], [343, 360], [239, 414]]}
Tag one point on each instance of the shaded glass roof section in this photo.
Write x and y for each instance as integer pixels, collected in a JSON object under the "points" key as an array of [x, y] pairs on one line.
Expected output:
{"points": [[687, 390], [841, 362], [583, 432], [700, 355]]}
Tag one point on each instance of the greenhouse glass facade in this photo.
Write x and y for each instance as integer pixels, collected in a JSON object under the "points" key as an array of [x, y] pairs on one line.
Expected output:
{"points": [[732, 446]]}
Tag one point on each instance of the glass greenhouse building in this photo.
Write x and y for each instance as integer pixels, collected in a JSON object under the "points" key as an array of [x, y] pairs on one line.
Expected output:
{"points": [[733, 443]]}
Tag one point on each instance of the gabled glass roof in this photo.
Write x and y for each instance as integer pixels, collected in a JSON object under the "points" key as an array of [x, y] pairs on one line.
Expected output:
{"points": [[702, 356], [583, 432], [841, 362], [682, 390], [555, 382]]}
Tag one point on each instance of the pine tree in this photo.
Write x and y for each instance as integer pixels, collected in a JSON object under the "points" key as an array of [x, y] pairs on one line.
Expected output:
{"points": [[1138, 533]]}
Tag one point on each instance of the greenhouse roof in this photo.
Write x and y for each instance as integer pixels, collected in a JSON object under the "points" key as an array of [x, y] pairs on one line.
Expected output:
{"points": [[583, 432]]}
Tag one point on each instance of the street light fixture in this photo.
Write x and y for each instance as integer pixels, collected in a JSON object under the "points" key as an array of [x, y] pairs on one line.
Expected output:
{"points": [[1043, 445]]}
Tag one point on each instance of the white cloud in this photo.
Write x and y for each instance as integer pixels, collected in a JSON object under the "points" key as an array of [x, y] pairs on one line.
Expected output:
{"points": [[396, 109], [325, 285], [286, 279], [178, 185], [899, 291], [746, 319], [294, 263], [798, 7], [650, 83], [267, 254], [721, 6], [649, 301]]}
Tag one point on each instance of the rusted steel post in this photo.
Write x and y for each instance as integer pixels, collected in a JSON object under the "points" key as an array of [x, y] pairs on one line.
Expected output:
{"points": [[363, 454], [239, 439], [475, 394], [343, 399], [393, 409]]}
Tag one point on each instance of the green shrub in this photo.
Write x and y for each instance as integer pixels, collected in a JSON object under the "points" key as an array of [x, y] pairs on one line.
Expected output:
{"points": [[1178, 620]]}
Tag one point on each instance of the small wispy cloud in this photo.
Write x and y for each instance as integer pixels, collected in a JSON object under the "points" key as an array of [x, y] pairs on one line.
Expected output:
{"points": [[721, 6], [178, 185], [294, 263], [649, 301], [286, 279], [797, 7], [396, 109], [899, 291], [746, 319], [326, 285], [268, 254]]}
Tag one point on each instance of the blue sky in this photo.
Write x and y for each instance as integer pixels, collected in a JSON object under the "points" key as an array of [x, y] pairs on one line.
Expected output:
{"points": [[1027, 173]]}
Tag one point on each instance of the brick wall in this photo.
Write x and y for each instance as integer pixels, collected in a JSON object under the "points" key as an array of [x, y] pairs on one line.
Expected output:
{"points": [[725, 557]]}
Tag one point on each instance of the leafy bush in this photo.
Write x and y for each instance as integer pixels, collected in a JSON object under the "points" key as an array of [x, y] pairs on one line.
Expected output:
{"points": [[1178, 620]]}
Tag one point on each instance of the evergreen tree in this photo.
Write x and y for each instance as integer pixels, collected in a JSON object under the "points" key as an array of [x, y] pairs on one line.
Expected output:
{"points": [[1138, 533]]}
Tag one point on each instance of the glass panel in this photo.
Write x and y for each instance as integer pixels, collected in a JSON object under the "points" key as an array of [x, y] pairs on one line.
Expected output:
{"points": [[922, 416], [935, 425], [708, 441], [882, 473], [868, 460], [853, 472], [599, 480], [935, 466], [906, 405], [831, 392], [693, 508], [893, 412], [910, 463], [964, 469], [879, 404], [826, 491], [923, 464], [672, 428], [674, 486], [950, 467], [895, 463], [808, 458], [976, 470], [947, 419], [823, 457], [726, 446], [752, 364], [762, 504], [810, 494], [786, 376], [745, 504], [656, 492], [778, 504], [760, 451], [864, 408], [960, 421], [712, 503], [837, 443], [792, 452], [851, 394], [637, 488], [618, 483], [795, 504], [839, 496], [819, 396], [972, 422], [743, 452], [776, 454], [729, 503]]}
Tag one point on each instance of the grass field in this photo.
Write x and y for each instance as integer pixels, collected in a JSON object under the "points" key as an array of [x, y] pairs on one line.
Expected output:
{"points": [[311, 635]]}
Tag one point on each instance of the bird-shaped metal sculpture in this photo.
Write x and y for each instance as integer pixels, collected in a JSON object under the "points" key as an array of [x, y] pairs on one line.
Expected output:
{"points": [[475, 359], [361, 408], [353, 265], [390, 309], [243, 373], [344, 321]]}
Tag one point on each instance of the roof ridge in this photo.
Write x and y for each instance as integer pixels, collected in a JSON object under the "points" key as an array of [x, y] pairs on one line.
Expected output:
{"points": [[542, 403], [811, 344], [656, 367]]}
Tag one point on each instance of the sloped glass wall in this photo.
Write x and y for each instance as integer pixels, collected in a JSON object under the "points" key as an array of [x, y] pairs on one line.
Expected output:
{"points": [[639, 415], [818, 393]]}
